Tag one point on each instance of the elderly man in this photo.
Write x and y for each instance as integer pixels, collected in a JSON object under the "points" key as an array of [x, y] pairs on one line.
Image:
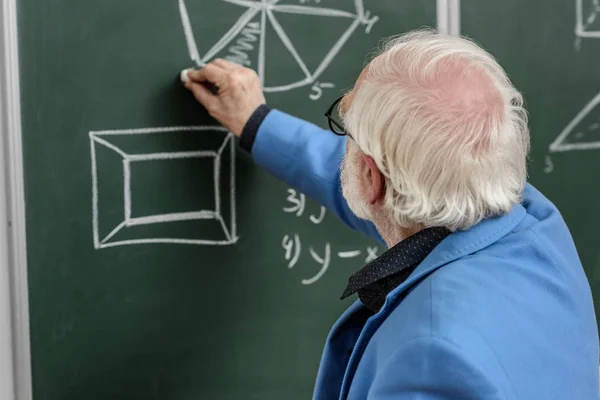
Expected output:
{"points": [[481, 294]]}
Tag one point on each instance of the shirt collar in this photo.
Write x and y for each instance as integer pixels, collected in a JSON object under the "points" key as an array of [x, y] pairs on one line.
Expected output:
{"points": [[379, 277]]}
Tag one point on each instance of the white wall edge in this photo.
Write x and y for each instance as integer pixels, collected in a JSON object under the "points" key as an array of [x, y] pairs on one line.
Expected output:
{"points": [[442, 16], [15, 354], [448, 17], [454, 17]]}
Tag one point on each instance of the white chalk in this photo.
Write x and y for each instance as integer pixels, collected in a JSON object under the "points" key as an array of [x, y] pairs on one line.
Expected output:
{"points": [[184, 75]]}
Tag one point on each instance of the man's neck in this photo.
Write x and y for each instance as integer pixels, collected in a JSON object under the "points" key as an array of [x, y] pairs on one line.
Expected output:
{"points": [[392, 234]]}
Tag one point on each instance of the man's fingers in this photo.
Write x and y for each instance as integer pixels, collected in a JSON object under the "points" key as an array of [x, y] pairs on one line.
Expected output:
{"points": [[203, 95], [210, 72], [225, 64]]}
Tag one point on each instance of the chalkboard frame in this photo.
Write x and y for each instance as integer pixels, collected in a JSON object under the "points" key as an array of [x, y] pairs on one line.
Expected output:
{"points": [[15, 351], [15, 364]]}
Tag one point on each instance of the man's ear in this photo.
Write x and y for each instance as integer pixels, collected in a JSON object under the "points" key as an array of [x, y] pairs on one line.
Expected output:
{"points": [[374, 181]]}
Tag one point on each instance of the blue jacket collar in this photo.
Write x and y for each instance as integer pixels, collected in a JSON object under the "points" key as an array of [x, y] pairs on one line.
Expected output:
{"points": [[455, 246], [460, 244]]}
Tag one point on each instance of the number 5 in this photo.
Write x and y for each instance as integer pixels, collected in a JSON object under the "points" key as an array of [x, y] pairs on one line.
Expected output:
{"points": [[317, 90]]}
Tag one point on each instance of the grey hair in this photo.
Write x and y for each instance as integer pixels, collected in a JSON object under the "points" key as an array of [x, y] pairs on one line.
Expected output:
{"points": [[446, 127]]}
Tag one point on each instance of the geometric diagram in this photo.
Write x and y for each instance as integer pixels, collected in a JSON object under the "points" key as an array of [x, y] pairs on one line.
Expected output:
{"points": [[588, 18], [163, 185], [274, 35], [583, 132]]}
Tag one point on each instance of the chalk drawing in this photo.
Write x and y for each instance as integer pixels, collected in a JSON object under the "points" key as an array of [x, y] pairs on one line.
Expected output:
{"points": [[293, 248], [239, 51], [588, 18], [583, 131], [549, 165], [189, 35], [250, 30], [349, 254], [103, 138], [371, 254], [288, 245], [320, 218], [317, 89], [324, 261]]}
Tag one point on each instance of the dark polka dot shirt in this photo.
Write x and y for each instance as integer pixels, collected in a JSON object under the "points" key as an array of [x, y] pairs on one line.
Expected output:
{"points": [[378, 278]]}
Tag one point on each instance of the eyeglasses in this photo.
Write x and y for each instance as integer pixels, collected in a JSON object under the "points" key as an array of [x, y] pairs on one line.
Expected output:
{"points": [[334, 117]]}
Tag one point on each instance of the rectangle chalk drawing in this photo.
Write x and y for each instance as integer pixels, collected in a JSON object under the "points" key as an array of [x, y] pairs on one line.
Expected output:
{"points": [[129, 154]]}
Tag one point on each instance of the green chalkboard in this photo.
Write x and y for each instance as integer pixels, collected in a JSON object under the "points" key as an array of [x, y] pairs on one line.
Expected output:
{"points": [[162, 263], [551, 49]]}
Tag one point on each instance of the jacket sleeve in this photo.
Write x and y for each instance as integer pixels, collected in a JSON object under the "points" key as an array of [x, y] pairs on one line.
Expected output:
{"points": [[307, 158], [430, 368]]}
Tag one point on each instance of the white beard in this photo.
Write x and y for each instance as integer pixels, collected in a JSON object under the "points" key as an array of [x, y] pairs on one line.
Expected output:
{"points": [[351, 189]]}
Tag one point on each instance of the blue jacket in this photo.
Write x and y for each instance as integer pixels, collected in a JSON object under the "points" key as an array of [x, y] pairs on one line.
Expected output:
{"points": [[500, 311]]}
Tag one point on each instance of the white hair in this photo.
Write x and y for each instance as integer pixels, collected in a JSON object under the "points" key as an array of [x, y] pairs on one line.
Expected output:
{"points": [[446, 128], [349, 170]]}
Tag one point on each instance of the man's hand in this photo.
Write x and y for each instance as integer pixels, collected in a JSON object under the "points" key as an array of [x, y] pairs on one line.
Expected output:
{"points": [[239, 93]]}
